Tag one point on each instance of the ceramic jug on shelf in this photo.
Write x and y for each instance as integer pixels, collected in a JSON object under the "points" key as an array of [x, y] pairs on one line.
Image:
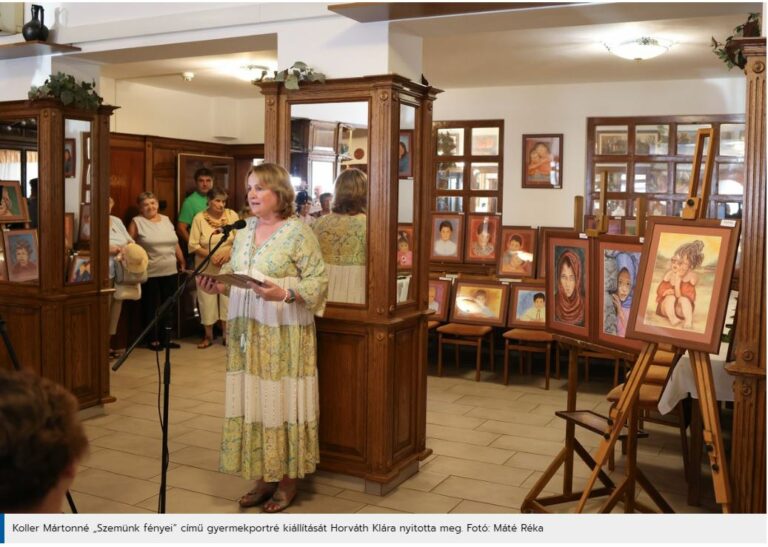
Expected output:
{"points": [[35, 29]]}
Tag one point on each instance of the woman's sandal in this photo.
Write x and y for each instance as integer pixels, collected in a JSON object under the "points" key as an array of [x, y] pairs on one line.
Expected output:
{"points": [[279, 501], [257, 496], [205, 343]]}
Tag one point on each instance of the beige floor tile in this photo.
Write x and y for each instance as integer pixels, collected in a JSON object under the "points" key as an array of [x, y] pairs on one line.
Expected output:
{"points": [[481, 389], [124, 463], [88, 504], [179, 501], [482, 401], [206, 423], [511, 416], [424, 481], [203, 439], [460, 435], [523, 430], [113, 486], [474, 507], [306, 502], [449, 408], [195, 456], [362, 497], [345, 482], [412, 501], [213, 483], [215, 410], [437, 383], [501, 474], [373, 509], [177, 403], [469, 451], [443, 395], [482, 491], [135, 444], [212, 397], [94, 432], [149, 412], [535, 446], [101, 421], [314, 487], [549, 410], [453, 420], [146, 428]]}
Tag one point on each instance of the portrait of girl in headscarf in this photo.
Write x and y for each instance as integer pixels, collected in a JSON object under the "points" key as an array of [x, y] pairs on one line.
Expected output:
{"points": [[622, 292], [569, 291]]}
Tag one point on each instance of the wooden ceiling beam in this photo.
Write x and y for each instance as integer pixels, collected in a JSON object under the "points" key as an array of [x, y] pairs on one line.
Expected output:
{"points": [[369, 12]]}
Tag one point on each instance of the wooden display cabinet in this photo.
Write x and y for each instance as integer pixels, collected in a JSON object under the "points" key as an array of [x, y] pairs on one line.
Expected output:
{"points": [[372, 357], [58, 327]]}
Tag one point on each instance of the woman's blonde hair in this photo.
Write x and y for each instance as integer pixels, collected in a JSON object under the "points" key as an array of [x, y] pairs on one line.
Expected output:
{"points": [[274, 177], [145, 195], [350, 194]]}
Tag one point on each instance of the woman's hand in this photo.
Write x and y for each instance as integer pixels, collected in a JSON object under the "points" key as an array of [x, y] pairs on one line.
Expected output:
{"points": [[221, 257], [210, 285], [269, 291]]}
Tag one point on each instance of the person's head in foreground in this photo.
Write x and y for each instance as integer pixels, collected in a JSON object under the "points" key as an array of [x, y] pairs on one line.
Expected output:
{"points": [[41, 443]]}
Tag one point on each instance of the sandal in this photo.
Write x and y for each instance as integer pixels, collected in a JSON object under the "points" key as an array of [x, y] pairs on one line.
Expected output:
{"points": [[279, 501], [115, 353], [205, 343], [257, 496]]}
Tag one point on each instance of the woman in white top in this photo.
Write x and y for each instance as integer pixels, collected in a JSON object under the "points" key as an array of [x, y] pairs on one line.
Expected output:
{"points": [[445, 246], [118, 239], [213, 307], [156, 234]]}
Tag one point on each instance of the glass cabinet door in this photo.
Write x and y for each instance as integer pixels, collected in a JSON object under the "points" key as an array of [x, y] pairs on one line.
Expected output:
{"points": [[77, 201]]}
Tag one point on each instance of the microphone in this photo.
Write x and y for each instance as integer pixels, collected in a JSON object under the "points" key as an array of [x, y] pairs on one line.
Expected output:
{"points": [[239, 225]]}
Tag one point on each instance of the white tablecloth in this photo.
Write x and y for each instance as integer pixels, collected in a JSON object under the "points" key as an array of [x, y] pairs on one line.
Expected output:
{"points": [[682, 382]]}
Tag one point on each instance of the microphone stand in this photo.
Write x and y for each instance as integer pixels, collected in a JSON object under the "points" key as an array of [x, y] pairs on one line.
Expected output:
{"points": [[17, 367], [164, 308]]}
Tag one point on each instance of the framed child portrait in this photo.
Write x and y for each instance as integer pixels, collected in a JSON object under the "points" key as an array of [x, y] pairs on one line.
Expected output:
{"points": [[404, 246], [439, 299], [447, 237], [405, 154], [70, 158], [684, 281], [542, 161], [13, 207], [517, 256], [80, 268], [482, 238], [568, 259], [528, 305], [481, 303], [616, 268], [541, 240], [22, 255]]}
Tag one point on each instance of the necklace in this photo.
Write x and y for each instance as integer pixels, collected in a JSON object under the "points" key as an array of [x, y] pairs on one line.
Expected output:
{"points": [[215, 222]]}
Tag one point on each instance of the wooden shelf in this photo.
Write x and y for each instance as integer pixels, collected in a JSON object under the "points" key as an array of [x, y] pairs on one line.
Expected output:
{"points": [[32, 49]]}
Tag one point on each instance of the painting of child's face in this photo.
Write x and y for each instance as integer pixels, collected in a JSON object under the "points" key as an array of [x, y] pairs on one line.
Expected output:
{"points": [[624, 285], [483, 303], [483, 238], [432, 293], [445, 233], [567, 280], [402, 246], [539, 303], [514, 244]]}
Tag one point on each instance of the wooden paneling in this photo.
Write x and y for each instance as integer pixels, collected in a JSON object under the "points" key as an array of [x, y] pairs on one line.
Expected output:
{"points": [[24, 331], [405, 384], [342, 382], [81, 361]]}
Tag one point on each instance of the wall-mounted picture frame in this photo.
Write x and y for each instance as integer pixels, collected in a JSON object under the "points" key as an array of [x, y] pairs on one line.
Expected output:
{"points": [[447, 237], [616, 268], [222, 167], [69, 231], [612, 143], [405, 153], [70, 157], [13, 206], [568, 284], [527, 305], [405, 247], [543, 161], [482, 239], [79, 270], [439, 299], [685, 276], [541, 240], [480, 302], [22, 255], [84, 233], [518, 252]]}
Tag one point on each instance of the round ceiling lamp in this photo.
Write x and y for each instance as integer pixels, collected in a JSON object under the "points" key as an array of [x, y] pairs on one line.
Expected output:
{"points": [[639, 49]]}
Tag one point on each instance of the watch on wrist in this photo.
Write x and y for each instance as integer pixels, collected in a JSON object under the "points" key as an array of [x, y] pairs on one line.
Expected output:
{"points": [[290, 296]]}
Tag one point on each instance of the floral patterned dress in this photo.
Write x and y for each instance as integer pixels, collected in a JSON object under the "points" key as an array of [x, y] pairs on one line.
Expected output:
{"points": [[271, 401], [343, 242]]}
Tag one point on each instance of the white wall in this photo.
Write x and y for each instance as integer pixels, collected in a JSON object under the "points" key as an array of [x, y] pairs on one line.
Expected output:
{"points": [[565, 109], [147, 110]]}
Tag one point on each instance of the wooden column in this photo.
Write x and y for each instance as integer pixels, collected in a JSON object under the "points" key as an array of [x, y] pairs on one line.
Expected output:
{"points": [[748, 442]]}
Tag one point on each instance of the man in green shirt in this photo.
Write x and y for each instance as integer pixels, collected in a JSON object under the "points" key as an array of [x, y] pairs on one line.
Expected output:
{"points": [[195, 202]]}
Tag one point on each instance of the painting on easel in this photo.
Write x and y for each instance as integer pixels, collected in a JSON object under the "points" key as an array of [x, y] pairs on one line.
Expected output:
{"points": [[685, 276]]}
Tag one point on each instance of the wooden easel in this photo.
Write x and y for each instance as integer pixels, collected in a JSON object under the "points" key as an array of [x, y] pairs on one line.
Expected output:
{"points": [[701, 366]]}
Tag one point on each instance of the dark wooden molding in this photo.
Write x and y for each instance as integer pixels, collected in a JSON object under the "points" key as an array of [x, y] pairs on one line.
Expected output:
{"points": [[369, 12], [33, 49]]}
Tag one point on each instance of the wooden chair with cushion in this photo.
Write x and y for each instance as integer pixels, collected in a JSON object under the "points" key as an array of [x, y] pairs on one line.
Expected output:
{"points": [[460, 334], [526, 342]]}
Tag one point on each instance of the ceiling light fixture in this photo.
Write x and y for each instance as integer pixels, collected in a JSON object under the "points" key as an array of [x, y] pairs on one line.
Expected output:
{"points": [[639, 49], [187, 76], [250, 73]]}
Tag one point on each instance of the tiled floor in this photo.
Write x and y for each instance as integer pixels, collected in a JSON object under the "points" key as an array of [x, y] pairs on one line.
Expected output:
{"points": [[491, 443]]}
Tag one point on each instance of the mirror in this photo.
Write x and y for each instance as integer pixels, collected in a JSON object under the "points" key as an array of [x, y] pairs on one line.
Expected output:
{"points": [[407, 252], [330, 142], [19, 245], [77, 200]]}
